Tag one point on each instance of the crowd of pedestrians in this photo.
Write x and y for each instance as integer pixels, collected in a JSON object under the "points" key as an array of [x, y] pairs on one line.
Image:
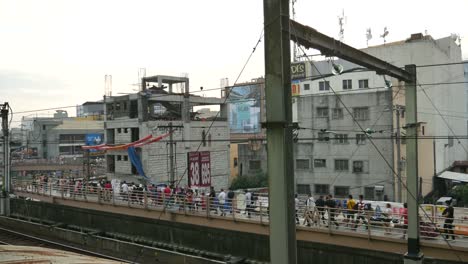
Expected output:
{"points": [[324, 211]]}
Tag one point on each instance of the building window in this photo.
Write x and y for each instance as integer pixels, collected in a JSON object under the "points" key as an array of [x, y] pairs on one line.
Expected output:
{"points": [[322, 189], [341, 165], [306, 87], [322, 111], [358, 166], [125, 158], [347, 84], [361, 139], [320, 163], [323, 137], [255, 164], [119, 157], [124, 105], [324, 86], [125, 130], [337, 113], [209, 140], [341, 139], [341, 191], [119, 130], [364, 83], [43, 127], [235, 161], [369, 193], [117, 106], [303, 188], [361, 113], [302, 164]]}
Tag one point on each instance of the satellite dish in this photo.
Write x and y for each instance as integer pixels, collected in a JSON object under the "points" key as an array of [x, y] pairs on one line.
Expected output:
{"points": [[337, 69]]}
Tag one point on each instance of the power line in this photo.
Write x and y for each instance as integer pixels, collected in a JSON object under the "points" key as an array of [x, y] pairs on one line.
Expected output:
{"points": [[445, 121], [226, 98]]}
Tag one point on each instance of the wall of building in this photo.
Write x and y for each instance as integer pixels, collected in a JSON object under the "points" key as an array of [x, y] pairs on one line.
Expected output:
{"points": [[449, 99], [252, 158], [234, 161], [310, 151]]}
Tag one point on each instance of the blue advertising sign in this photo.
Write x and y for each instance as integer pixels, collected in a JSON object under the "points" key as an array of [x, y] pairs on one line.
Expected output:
{"points": [[244, 109], [93, 140]]}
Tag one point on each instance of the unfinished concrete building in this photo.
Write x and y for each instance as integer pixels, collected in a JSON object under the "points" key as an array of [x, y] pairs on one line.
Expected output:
{"points": [[156, 110]]}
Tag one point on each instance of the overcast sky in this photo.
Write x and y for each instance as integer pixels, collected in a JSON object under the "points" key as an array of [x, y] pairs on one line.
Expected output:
{"points": [[56, 53]]}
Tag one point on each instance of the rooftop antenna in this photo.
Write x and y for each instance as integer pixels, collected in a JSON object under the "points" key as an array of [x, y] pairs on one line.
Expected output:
{"points": [[108, 85], [368, 36], [384, 35], [341, 23]]}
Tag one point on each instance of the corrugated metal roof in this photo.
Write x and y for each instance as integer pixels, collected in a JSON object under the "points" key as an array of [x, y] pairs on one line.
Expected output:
{"points": [[82, 124], [36, 255]]}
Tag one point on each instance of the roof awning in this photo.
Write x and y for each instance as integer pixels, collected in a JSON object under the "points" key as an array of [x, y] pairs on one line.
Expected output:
{"points": [[455, 176]]}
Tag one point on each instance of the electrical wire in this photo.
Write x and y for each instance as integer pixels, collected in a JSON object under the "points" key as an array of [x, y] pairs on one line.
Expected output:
{"points": [[226, 98], [445, 121]]}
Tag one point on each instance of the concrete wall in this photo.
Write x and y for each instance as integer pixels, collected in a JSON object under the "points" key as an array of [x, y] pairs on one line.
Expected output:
{"points": [[156, 156]]}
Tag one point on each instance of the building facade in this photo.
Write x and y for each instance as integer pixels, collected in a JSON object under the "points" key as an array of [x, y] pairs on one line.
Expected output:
{"points": [[58, 137], [156, 111]]}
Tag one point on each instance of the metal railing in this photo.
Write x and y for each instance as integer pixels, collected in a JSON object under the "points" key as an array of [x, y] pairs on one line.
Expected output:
{"points": [[371, 223]]}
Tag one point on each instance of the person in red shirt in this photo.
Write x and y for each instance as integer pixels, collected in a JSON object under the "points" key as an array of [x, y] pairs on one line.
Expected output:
{"points": [[167, 195], [404, 216]]}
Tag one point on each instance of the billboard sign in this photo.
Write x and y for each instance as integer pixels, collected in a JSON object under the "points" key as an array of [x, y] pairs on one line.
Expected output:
{"points": [[244, 109], [298, 70], [199, 169], [93, 140]]}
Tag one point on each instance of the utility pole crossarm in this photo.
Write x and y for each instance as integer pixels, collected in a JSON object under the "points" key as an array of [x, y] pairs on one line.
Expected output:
{"points": [[311, 38]]}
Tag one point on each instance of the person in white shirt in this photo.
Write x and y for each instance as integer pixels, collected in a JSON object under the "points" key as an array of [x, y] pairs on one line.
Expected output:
{"points": [[248, 202], [124, 191], [387, 213], [309, 213], [222, 201], [296, 203]]}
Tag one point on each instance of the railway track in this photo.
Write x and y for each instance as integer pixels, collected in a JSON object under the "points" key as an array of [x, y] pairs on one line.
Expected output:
{"points": [[14, 238]]}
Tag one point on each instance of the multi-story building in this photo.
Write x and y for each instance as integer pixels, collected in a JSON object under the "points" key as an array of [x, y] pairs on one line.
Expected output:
{"points": [[442, 83], [58, 137], [157, 110], [246, 113], [91, 109]]}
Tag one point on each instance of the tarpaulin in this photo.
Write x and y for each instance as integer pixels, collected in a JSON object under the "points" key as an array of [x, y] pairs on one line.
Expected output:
{"points": [[136, 161]]}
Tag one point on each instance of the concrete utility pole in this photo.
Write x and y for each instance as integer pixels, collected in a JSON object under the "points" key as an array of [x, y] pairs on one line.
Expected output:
{"points": [[279, 131], [413, 256], [398, 108], [171, 155], [5, 204]]}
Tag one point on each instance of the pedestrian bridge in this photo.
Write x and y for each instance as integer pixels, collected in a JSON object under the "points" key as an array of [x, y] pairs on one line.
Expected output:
{"points": [[234, 234]]}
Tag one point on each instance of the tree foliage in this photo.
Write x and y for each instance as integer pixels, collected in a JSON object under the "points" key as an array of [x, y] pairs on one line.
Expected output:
{"points": [[249, 181], [461, 192]]}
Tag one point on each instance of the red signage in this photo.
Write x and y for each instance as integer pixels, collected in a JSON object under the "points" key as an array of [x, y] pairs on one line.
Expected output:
{"points": [[199, 169]]}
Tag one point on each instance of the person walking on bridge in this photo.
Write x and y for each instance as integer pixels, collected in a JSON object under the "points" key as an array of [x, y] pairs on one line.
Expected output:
{"points": [[448, 223]]}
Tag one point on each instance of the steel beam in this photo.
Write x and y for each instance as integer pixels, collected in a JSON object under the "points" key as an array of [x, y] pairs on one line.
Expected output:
{"points": [[311, 38]]}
